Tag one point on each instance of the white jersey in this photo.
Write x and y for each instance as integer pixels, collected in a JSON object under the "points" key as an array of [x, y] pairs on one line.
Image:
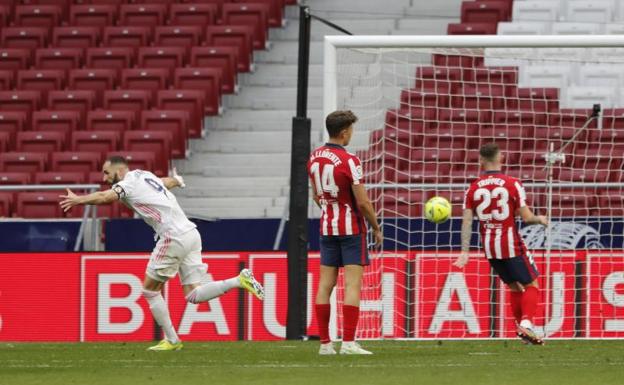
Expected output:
{"points": [[145, 193]]}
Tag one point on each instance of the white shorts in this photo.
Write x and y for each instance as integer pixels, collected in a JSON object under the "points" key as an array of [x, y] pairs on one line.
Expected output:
{"points": [[178, 254]]}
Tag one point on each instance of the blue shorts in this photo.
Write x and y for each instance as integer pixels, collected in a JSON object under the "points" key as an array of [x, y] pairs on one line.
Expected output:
{"points": [[338, 251], [518, 269]]}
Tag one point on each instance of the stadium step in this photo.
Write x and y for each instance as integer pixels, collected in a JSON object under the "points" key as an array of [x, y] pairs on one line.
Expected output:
{"points": [[286, 52], [381, 26], [240, 119], [281, 75], [200, 186], [257, 98], [435, 26], [226, 212], [244, 142], [241, 202]]}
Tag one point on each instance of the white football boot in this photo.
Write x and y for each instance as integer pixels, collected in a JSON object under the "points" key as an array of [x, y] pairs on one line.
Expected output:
{"points": [[352, 348], [327, 349]]}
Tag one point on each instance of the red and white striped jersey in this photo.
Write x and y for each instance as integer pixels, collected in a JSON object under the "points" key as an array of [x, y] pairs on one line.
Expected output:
{"points": [[333, 171], [495, 197], [145, 193]]}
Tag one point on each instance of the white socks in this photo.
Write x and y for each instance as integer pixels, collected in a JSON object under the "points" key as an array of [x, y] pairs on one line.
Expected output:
{"points": [[159, 309], [211, 290], [525, 323]]}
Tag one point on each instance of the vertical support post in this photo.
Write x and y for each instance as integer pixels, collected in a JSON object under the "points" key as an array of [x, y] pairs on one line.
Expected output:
{"points": [[296, 319]]}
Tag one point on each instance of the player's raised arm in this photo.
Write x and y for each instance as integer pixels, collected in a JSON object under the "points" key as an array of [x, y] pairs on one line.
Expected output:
{"points": [[173, 181], [97, 198]]}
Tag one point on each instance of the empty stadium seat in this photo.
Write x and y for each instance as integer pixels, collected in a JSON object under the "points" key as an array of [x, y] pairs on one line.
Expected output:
{"points": [[96, 15], [224, 58], [193, 14], [191, 101], [9, 178], [161, 57], [59, 177], [6, 141], [594, 11], [611, 203], [177, 35], [127, 100], [524, 28], [40, 141], [14, 59], [483, 12], [149, 15], [576, 29], [239, 36], [6, 204], [156, 142], [472, 29], [249, 14], [76, 37], [149, 79], [24, 37], [78, 100], [548, 75], [23, 161], [95, 79], [95, 141], [107, 120], [141, 160], [41, 80], [60, 121], [27, 101], [73, 161], [206, 79], [586, 97], [126, 36], [536, 10], [13, 122], [46, 16], [58, 58], [175, 122], [110, 57], [7, 80], [41, 204]]}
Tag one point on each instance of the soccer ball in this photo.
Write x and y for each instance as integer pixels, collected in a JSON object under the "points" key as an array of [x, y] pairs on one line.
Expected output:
{"points": [[437, 210]]}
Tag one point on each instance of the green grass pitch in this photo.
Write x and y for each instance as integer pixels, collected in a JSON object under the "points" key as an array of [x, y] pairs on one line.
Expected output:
{"points": [[394, 362]]}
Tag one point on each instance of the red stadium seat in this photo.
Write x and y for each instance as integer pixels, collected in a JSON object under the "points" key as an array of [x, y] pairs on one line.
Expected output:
{"points": [[5, 15], [96, 79], [5, 141], [149, 15], [193, 14], [7, 80], [206, 79], [76, 161], [40, 141], [175, 122], [149, 79], [455, 198], [455, 61], [249, 14], [528, 173], [519, 117], [536, 99], [464, 115], [8, 178], [95, 141], [38, 205], [96, 15], [110, 57], [60, 177], [62, 4], [46, 16], [161, 57], [238, 36], [106, 120], [127, 100], [79, 100], [58, 58], [12, 122], [484, 12], [60, 121], [13, 59], [156, 142], [611, 203], [224, 58], [128, 36], [76, 37], [178, 35], [40, 80], [403, 204], [191, 101], [6, 204], [423, 98], [483, 97], [24, 37], [276, 11], [142, 160], [471, 29], [570, 203], [23, 161], [27, 101], [583, 175]]}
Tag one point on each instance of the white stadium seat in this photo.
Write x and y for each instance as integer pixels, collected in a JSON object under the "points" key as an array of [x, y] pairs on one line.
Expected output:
{"points": [[614, 29], [524, 28], [552, 75], [607, 55], [536, 10], [597, 11], [565, 28], [600, 75], [501, 57], [586, 97], [566, 54]]}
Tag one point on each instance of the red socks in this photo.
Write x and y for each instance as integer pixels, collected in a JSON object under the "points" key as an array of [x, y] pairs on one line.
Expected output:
{"points": [[351, 315], [516, 305], [529, 302], [322, 319]]}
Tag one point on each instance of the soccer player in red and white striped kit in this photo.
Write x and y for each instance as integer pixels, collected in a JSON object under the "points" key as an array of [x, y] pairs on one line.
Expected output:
{"points": [[336, 178], [497, 198]]}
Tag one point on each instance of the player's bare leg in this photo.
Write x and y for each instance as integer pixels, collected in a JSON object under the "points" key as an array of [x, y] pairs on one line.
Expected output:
{"points": [[327, 282], [351, 309], [152, 291], [529, 304]]}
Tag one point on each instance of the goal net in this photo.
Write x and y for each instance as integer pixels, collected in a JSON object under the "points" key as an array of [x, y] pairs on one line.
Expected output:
{"points": [[425, 106]]}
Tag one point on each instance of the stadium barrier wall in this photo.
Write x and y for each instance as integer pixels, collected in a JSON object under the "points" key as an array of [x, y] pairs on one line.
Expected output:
{"points": [[97, 297]]}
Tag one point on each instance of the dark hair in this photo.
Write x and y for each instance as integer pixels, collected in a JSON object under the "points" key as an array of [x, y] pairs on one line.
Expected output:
{"points": [[489, 151], [338, 121], [116, 159]]}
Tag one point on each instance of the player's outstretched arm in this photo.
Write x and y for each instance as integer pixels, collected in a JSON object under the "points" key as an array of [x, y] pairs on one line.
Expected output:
{"points": [[531, 219], [97, 198], [466, 234], [366, 208], [174, 180]]}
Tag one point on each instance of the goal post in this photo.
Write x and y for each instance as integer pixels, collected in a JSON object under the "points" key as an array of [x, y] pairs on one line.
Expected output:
{"points": [[425, 105]]}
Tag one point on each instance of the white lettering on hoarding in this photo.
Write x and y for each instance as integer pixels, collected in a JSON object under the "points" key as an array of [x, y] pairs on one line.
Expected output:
{"points": [[215, 315], [106, 302], [455, 283], [557, 316], [612, 297]]}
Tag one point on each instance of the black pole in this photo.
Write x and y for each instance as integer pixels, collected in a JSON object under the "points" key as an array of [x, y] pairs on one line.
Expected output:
{"points": [[296, 318]]}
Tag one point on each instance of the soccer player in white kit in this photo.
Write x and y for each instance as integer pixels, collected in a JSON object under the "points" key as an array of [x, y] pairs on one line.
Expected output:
{"points": [[178, 249]]}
